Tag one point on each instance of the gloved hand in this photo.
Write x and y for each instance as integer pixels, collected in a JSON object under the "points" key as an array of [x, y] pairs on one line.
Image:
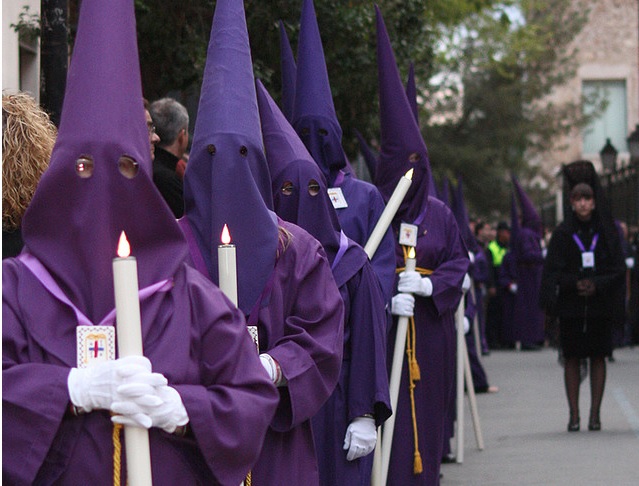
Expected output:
{"points": [[273, 369], [585, 287], [466, 283], [512, 287], [466, 325], [471, 257], [413, 283], [360, 439], [166, 413], [94, 388], [403, 305]]}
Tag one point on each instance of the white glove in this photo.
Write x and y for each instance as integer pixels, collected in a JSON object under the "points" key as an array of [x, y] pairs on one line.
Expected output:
{"points": [[466, 325], [512, 287], [630, 262], [360, 439], [273, 369], [166, 413], [403, 305], [413, 283], [471, 257], [95, 387], [466, 283]]}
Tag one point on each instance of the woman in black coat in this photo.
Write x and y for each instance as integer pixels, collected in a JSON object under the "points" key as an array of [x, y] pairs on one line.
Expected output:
{"points": [[583, 270]]}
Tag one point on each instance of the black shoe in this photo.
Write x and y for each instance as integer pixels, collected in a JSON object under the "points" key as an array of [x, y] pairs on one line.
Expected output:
{"points": [[573, 425], [594, 424], [449, 459]]}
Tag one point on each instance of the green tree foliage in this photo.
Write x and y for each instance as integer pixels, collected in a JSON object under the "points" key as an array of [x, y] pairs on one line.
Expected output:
{"points": [[506, 55], [507, 59]]}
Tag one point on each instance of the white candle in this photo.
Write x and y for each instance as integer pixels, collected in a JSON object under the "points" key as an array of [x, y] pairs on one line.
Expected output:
{"points": [[129, 338], [395, 378], [227, 266], [388, 214]]}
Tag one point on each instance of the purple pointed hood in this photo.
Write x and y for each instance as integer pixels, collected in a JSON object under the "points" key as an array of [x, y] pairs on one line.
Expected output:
{"points": [[515, 226], [289, 72], [444, 192], [402, 146], [411, 91], [314, 117], [461, 216], [227, 179], [299, 188], [529, 216], [370, 157], [91, 191]]}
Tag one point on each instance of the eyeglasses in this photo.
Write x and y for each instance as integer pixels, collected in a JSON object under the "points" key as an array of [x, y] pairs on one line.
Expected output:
{"points": [[151, 128]]}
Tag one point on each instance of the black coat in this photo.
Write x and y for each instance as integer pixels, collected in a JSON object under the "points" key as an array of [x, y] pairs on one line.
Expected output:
{"points": [[563, 268]]}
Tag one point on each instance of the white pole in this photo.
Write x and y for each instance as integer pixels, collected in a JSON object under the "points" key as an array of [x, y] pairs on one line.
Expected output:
{"points": [[459, 319], [395, 379], [474, 414]]}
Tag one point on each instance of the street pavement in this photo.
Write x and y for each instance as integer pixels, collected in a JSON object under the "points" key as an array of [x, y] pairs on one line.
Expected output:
{"points": [[524, 426]]}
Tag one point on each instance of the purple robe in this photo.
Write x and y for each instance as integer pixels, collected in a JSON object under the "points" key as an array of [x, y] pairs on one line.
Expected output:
{"points": [[191, 334], [365, 206], [363, 382], [300, 325], [507, 274], [441, 249], [528, 314]]}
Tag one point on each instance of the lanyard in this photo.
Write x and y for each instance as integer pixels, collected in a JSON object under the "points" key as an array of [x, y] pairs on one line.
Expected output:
{"points": [[580, 244], [45, 278]]}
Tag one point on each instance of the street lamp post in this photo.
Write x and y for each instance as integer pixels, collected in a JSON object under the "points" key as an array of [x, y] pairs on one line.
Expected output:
{"points": [[608, 156]]}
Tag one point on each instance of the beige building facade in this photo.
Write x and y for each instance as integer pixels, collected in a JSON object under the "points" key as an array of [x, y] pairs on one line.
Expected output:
{"points": [[608, 60]]}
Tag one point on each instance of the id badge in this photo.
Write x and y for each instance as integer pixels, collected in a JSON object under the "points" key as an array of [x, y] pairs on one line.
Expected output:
{"points": [[336, 196], [94, 344], [408, 234], [588, 259]]}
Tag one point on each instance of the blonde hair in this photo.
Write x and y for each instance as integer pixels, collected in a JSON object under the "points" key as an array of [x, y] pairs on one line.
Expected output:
{"points": [[28, 136]]}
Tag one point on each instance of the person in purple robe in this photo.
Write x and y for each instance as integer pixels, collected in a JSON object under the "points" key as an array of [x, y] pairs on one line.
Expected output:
{"points": [[285, 284], [358, 203], [289, 72], [442, 262], [345, 427], [527, 248], [208, 402], [507, 285], [477, 271]]}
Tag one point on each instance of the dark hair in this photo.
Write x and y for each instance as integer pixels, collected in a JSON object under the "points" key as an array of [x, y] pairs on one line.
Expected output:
{"points": [[582, 190]]}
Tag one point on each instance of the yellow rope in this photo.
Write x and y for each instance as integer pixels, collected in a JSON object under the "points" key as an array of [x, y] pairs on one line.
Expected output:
{"points": [[117, 454], [414, 373], [413, 376], [249, 480]]}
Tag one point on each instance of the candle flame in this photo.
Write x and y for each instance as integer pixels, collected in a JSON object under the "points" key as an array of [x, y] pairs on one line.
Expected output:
{"points": [[124, 249], [409, 174], [411, 252], [226, 236]]}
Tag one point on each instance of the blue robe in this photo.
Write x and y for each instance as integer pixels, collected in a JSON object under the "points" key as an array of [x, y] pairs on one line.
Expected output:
{"points": [[365, 206], [439, 248], [363, 383]]}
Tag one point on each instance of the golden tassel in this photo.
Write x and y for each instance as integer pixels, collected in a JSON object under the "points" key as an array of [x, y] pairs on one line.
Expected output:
{"points": [[249, 479], [117, 454], [417, 461]]}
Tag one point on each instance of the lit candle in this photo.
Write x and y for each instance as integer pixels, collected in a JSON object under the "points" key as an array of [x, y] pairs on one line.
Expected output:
{"points": [[227, 266], [388, 214], [395, 377], [129, 338]]}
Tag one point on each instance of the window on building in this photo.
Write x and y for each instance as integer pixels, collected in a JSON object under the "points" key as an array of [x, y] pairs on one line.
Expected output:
{"points": [[612, 123]]}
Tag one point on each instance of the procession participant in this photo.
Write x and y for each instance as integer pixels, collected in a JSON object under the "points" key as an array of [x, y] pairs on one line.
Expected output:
{"points": [[529, 258], [208, 403], [429, 226], [285, 285], [345, 427], [289, 72], [358, 203]]}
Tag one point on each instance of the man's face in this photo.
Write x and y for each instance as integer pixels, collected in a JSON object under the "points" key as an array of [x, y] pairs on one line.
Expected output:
{"points": [[583, 206], [153, 137], [503, 236]]}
